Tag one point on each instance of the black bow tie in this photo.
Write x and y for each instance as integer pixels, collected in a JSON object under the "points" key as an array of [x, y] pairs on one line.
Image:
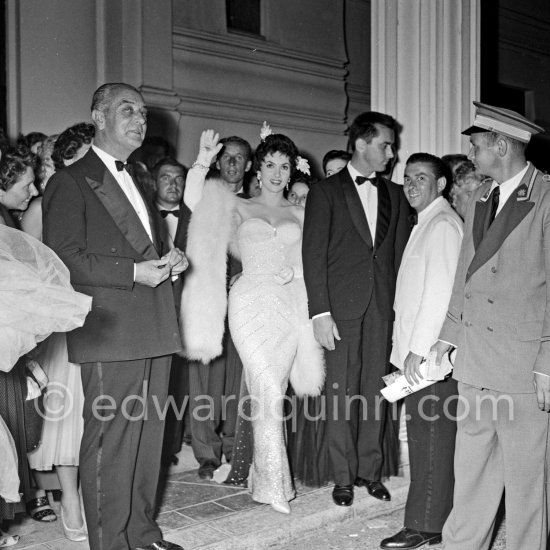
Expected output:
{"points": [[360, 180], [122, 166], [413, 219], [165, 213]]}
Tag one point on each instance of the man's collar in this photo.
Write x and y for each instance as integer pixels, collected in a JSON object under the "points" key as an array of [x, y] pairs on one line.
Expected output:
{"points": [[173, 207], [421, 215], [514, 181], [107, 158]]}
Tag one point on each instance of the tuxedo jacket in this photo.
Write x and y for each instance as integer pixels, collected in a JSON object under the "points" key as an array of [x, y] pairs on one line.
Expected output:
{"points": [[91, 225], [499, 313], [425, 280], [346, 269], [180, 239]]}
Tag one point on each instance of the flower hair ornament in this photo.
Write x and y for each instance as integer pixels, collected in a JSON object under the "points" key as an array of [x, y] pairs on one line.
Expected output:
{"points": [[302, 164], [265, 130]]}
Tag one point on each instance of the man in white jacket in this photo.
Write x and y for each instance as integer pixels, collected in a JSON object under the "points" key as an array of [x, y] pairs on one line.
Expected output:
{"points": [[424, 285]]}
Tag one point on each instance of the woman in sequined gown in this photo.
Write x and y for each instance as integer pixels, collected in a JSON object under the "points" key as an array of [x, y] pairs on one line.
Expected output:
{"points": [[268, 315]]}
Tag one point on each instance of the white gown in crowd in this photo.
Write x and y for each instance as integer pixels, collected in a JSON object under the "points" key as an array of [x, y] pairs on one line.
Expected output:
{"points": [[269, 322], [36, 297], [264, 319]]}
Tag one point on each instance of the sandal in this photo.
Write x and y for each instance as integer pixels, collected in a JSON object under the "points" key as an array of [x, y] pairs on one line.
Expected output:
{"points": [[40, 510], [8, 540]]}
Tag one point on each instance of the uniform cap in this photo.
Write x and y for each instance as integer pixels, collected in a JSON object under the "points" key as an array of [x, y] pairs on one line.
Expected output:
{"points": [[503, 121]]}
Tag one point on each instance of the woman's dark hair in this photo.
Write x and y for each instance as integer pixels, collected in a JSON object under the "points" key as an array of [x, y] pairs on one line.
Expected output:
{"points": [[14, 164], [70, 141], [300, 177], [4, 142], [335, 154], [440, 168], [276, 143], [28, 140]]}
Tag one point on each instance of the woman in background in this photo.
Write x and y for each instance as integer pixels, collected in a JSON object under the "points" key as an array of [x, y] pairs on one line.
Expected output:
{"points": [[16, 190], [63, 424], [56, 153]]}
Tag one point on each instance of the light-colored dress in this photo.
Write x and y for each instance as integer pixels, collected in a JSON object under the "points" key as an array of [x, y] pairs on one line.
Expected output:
{"points": [[63, 403], [265, 319], [269, 322]]}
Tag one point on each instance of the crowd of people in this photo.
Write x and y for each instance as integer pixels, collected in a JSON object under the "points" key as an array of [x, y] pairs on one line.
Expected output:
{"points": [[253, 311]]}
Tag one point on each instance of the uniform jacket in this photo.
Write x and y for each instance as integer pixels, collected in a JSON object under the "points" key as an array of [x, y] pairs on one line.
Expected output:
{"points": [[425, 280], [499, 314], [91, 225], [345, 267]]}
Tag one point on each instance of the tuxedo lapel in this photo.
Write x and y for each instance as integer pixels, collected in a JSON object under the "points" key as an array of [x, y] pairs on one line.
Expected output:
{"points": [[154, 219], [117, 204], [513, 212], [355, 207], [384, 212]]}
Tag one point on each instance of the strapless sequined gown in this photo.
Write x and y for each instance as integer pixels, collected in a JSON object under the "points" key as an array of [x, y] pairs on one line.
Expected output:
{"points": [[263, 319]]}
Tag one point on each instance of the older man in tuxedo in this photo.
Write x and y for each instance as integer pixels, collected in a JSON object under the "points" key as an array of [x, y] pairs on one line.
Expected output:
{"points": [[499, 321], [98, 221], [355, 230], [424, 285]]}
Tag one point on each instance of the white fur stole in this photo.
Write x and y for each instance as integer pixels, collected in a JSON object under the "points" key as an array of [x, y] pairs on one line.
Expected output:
{"points": [[204, 297], [307, 375]]}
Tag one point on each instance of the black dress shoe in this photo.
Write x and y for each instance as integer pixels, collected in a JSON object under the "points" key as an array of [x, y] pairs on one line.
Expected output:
{"points": [[342, 495], [207, 469], [161, 545], [375, 488], [411, 538]]}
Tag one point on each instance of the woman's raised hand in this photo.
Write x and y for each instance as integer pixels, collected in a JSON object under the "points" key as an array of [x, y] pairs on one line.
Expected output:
{"points": [[209, 147]]}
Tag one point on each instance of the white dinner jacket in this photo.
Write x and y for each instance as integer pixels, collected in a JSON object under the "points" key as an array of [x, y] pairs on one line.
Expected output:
{"points": [[425, 280]]}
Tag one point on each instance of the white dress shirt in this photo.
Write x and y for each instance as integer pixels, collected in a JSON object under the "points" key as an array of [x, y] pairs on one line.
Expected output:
{"points": [[171, 222], [368, 194], [128, 186]]}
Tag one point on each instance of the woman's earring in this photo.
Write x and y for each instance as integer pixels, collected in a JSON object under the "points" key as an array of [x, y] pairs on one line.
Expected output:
{"points": [[287, 188], [259, 181]]}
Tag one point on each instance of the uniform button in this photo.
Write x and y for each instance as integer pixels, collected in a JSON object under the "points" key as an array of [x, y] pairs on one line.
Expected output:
{"points": [[113, 249], [375, 257], [468, 295], [494, 269], [490, 301], [490, 329]]}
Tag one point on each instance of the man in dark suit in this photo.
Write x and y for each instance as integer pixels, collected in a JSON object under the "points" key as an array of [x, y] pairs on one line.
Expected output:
{"points": [[110, 238], [169, 176], [355, 231]]}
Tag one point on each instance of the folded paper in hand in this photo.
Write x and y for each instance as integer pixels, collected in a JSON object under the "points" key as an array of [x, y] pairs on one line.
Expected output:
{"points": [[397, 386]]}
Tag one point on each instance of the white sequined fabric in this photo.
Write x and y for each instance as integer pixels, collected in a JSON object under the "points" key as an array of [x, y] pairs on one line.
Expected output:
{"points": [[264, 317]]}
